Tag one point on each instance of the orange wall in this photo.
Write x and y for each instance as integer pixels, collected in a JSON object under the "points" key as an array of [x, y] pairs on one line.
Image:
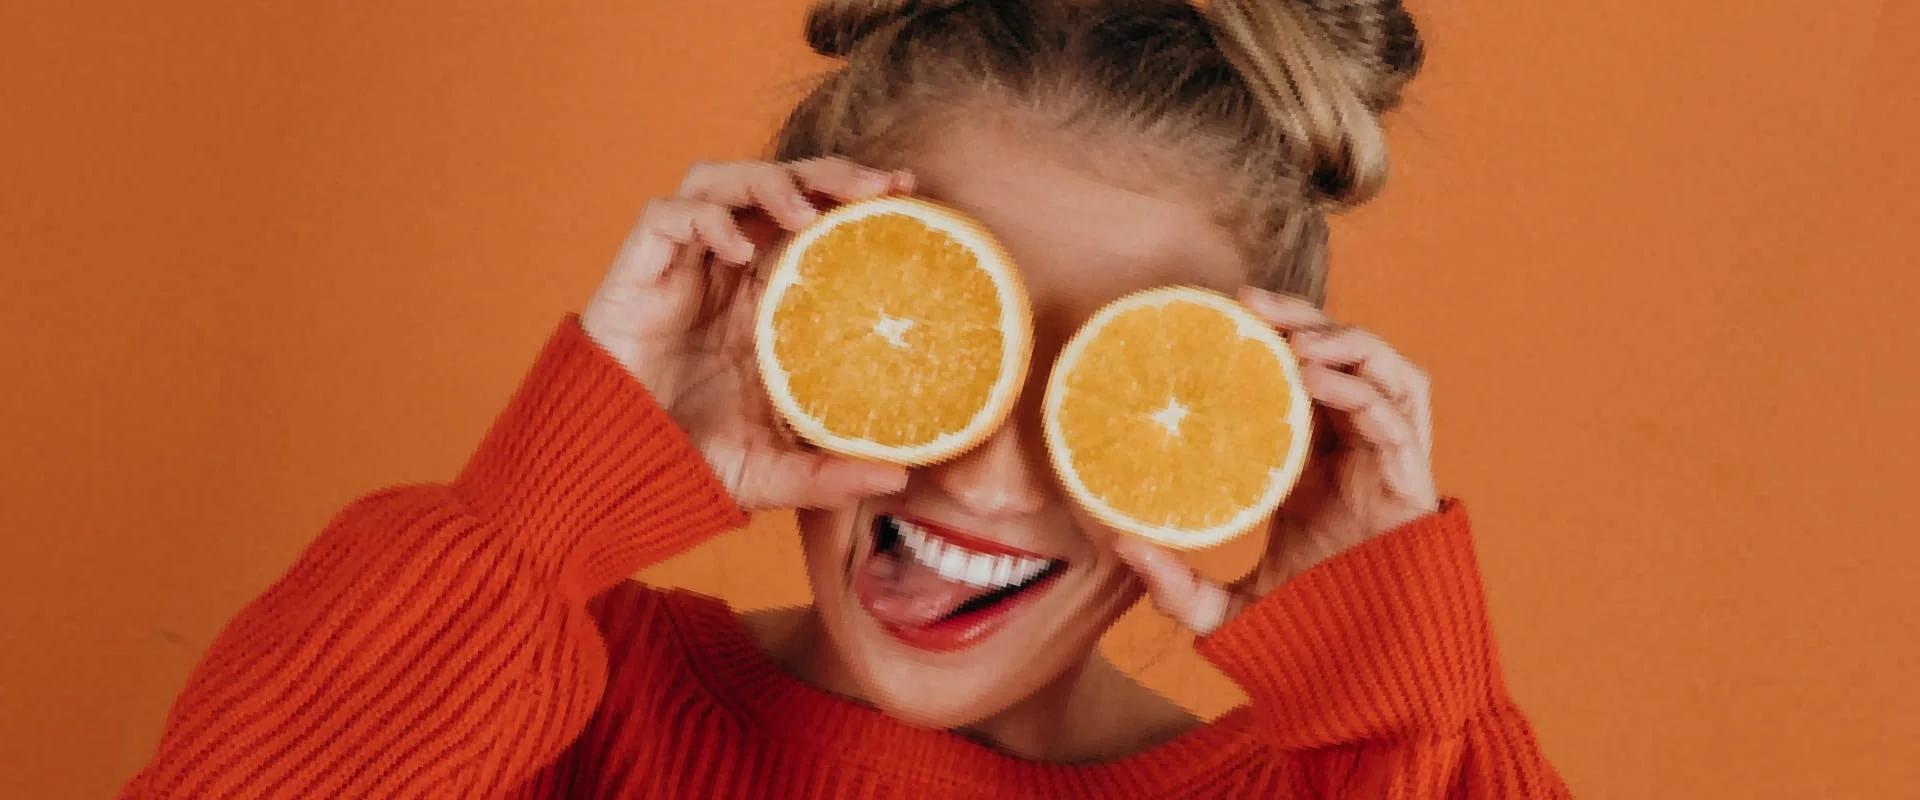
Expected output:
{"points": [[259, 258]]}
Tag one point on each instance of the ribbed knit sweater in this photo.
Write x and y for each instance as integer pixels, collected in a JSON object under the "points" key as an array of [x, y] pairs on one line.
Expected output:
{"points": [[482, 638]]}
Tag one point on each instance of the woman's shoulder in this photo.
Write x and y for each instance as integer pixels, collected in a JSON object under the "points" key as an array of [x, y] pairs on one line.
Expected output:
{"points": [[651, 623]]}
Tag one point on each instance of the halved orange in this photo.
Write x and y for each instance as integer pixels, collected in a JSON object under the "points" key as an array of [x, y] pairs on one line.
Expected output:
{"points": [[1177, 415], [894, 329]]}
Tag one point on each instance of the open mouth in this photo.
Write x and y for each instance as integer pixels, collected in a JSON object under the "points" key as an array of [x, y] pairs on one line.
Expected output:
{"points": [[935, 588]]}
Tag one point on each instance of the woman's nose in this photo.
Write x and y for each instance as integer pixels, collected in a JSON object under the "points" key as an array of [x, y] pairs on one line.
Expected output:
{"points": [[999, 478]]}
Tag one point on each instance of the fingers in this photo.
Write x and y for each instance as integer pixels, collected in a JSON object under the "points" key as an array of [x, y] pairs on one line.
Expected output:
{"points": [[699, 219], [1372, 396], [1317, 339], [1376, 362], [671, 225], [790, 479], [771, 187], [1368, 355], [693, 223], [1359, 404], [1176, 588], [849, 181], [780, 189], [1287, 313], [1362, 412]]}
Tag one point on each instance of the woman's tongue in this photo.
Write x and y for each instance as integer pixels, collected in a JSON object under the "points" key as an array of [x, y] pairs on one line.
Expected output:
{"points": [[906, 593]]}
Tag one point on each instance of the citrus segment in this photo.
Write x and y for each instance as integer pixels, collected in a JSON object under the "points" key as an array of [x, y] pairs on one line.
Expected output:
{"points": [[893, 329], [1177, 415]]}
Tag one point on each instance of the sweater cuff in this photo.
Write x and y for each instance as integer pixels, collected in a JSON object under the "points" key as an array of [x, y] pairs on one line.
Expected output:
{"points": [[1389, 637], [587, 470]]}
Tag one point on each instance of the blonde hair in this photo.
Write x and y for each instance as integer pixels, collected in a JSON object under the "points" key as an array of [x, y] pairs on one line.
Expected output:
{"points": [[1277, 100]]}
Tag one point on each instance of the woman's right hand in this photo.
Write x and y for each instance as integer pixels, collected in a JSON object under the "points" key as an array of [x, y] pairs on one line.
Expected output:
{"points": [[677, 310]]}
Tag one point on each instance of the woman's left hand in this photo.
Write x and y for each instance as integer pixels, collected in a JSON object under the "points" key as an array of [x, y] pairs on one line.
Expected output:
{"points": [[1370, 472]]}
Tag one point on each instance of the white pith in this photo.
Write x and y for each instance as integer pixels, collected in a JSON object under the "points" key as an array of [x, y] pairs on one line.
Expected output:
{"points": [[893, 329]]}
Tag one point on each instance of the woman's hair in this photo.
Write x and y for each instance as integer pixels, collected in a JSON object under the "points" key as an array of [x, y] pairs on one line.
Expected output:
{"points": [[1275, 102]]}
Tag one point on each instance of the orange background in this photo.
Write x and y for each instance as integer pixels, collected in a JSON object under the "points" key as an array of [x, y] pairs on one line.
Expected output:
{"points": [[260, 258]]}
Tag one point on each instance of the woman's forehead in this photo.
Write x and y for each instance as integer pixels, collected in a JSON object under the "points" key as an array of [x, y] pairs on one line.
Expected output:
{"points": [[1080, 236]]}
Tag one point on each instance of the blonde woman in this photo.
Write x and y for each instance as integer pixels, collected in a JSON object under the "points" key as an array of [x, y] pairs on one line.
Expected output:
{"points": [[482, 639]]}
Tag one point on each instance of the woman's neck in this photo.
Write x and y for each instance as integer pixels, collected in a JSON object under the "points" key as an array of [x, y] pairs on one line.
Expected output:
{"points": [[1092, 712]]}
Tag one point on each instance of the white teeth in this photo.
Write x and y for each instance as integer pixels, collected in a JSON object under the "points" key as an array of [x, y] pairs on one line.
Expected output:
{"points": [[1002, 571], [929, 554], [953, 563], [979, 570], [956, 563]]}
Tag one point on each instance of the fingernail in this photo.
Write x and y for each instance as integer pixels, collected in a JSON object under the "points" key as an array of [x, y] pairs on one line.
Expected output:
{"points": [[887, 482], [1278, 303], [1270, 299], [745, 252], [903, 181], [804, 210]]}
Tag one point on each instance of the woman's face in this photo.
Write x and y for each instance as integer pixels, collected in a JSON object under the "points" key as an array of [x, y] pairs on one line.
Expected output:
{"points": [[922, 648]]}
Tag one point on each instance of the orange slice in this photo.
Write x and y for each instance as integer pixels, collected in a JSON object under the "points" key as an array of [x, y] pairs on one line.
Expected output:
{"points": [[1177, 415], [894, 329]]}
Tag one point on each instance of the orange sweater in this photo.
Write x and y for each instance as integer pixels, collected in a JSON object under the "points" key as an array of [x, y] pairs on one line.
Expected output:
{"points": [[481, 639]]}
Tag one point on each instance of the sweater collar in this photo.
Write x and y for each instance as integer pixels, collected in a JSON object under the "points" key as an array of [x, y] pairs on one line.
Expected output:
{"points": [[749, 684]]}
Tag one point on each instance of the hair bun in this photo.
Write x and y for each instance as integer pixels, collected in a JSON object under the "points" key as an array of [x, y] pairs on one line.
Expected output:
{"points": [[1324, 71], [1377, 39], [834, 27]]}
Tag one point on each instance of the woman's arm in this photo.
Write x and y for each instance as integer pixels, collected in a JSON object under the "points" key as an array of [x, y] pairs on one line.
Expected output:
{"points": [[434, 641], [1377, 670], [1361, 634]]}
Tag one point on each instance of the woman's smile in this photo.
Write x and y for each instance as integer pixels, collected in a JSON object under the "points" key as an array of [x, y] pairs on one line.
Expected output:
{"points": [[938, 588]]}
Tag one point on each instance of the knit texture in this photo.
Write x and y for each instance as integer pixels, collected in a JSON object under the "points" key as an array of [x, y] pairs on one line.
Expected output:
{"points": [[481, 639]]}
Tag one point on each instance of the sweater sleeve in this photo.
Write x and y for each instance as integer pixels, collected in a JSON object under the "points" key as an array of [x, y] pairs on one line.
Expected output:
{"points": [[434, 640], [1377, 671]]}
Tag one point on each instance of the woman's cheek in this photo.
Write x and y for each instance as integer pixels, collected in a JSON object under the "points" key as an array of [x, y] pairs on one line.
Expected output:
{"points": [[1098, 536], [825, 535]]}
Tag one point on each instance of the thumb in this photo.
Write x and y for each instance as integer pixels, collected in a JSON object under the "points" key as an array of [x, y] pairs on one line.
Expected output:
{"points": [[793, 479], [1176, 588]]}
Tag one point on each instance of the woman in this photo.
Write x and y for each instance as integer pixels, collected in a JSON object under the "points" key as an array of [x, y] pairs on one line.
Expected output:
{"points": [[480, 638]]}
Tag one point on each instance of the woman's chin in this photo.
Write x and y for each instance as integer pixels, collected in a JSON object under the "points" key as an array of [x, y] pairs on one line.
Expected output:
{"points": [[955, 694], [923, 705]]}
